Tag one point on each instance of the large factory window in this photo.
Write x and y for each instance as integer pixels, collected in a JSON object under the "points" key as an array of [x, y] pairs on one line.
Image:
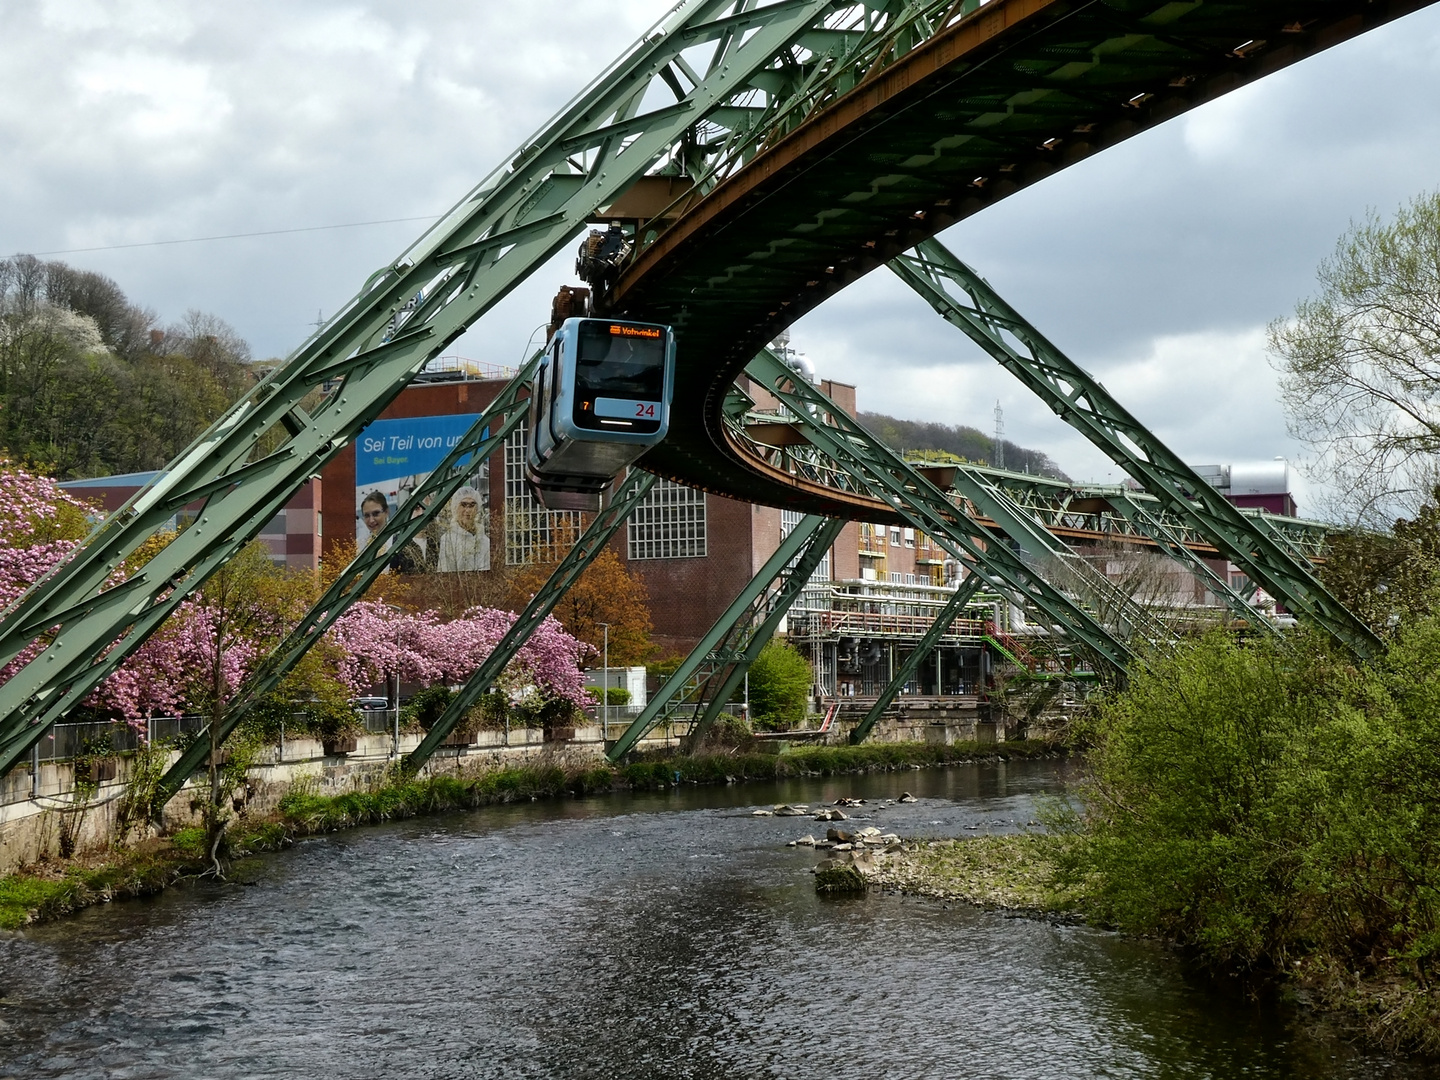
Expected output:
{"points": [[531, 532], [788, 520], [668, 524]]}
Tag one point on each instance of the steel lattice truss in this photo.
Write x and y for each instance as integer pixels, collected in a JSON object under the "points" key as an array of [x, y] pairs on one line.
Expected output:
{"points": [[800, 143], [691, 100], [908, 494], [717, 664], [966, 300]]}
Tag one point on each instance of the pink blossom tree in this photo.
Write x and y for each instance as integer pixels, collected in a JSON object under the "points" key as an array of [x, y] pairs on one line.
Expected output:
{"points": [[40, 527], [376, 641], [211, 642]]}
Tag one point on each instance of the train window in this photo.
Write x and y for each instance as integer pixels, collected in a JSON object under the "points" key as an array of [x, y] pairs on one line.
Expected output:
{"points": [[618, 365], [552, 397]]}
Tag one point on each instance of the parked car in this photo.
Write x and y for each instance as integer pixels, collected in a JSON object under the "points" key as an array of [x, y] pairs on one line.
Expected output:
{"points": [[370, 704]]}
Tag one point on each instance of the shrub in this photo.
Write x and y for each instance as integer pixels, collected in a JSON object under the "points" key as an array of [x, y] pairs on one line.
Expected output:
{"points": [[1266, 801], [779, 687]]}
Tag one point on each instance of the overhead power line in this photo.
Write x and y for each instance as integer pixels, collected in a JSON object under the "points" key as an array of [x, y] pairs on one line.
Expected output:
{"points": [[231, 236]]}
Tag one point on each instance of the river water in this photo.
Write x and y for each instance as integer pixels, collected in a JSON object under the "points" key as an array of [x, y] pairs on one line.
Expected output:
{"points": [[668, 935]]}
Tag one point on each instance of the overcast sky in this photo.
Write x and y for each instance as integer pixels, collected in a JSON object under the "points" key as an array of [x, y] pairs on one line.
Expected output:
{"points": [[1156, 264]]}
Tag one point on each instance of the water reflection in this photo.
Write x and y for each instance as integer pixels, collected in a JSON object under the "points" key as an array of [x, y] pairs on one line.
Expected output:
{"points": [[668, 935]]}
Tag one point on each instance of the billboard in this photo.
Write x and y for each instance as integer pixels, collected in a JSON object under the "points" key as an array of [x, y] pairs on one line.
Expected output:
{"points": [[392, 459]]}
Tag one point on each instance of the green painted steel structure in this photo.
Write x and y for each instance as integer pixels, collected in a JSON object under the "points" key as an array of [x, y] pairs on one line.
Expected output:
{"points": [[789, 588], [618, 506], [990, 103], [809, 141], [1083, 403], [489, 432], [956, 604], [408, 312], [751, 618], [914, 499], [1154, 526]]}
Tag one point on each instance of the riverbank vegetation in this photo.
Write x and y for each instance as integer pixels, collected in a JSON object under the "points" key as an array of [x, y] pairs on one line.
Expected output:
{"points": [[54, 888], [1274, 807], [1008, 871]]}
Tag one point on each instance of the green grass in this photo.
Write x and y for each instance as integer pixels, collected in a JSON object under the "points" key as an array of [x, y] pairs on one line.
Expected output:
{"points": [[29, 898]]}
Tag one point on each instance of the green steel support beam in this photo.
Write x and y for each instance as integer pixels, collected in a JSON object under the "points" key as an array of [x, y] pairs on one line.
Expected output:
{"points": [[406, 314], [619, 507], [486, 435], [1061, 565], [1083, 403], [797, 577], [712, 651], [956, 604], [876, 468], [1152, 526]]}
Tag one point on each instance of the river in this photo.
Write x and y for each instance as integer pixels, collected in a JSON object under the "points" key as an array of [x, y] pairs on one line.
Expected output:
{"points": [[666, 935]]}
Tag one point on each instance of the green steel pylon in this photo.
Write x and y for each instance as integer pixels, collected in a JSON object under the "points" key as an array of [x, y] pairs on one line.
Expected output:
{"points": [[879, 471], [612, 134], [489, 432], [956, 604], [611, 516], [1062, 567], [1083, 403], [1153, 526], [740, 632], [796, 577]]}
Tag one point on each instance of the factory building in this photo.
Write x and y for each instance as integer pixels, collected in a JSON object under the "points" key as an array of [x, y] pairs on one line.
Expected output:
{"points": [[872, 598]]}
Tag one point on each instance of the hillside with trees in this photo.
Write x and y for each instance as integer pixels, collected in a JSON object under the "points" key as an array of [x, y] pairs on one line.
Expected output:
{"points": [[963, 441], [91, 384]]}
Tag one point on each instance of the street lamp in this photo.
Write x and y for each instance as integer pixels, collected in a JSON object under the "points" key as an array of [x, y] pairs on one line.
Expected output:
{"points": [[394, 687], [605, 683]]}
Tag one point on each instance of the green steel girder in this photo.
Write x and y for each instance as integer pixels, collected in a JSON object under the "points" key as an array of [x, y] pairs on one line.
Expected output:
{"points": [[489, 432], [956, 604], [1060, 565], [915, 500], [1152, 525], [1061, 505], [1083, 403], [726, 642], [987, 493], [406, 314], [592, 541], [797, 575]]}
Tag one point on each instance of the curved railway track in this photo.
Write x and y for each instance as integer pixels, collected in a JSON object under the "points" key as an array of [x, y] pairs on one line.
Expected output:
{"points": [[1003, 98]]}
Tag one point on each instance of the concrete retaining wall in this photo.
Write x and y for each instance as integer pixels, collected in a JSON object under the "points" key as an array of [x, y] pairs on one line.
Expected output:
{"points": [[36, 810]]}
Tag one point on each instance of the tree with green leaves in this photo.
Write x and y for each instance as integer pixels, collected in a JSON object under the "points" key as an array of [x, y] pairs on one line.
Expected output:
{"points": [[1359, 365], [90, 384], [780, 680]]}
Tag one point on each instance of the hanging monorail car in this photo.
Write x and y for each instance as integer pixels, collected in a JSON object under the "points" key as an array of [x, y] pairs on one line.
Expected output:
{"points": [[599, 401]]}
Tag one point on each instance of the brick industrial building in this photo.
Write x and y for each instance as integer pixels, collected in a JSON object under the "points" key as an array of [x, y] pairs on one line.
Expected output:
{"points": [[870, 601]]}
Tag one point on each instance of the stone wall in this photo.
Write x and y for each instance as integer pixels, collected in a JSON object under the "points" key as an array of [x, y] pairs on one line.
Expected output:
{"points": [[35, 809]]}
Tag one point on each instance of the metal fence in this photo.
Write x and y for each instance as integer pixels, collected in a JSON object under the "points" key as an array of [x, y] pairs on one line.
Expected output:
{"points": [[65, 741], [378, 721]]}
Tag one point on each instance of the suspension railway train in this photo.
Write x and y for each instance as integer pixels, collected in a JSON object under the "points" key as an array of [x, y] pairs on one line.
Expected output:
{"points": [[600, 399]]}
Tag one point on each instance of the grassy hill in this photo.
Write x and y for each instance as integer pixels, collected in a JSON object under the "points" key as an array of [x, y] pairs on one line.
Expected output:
{"points": [[964, 441]]}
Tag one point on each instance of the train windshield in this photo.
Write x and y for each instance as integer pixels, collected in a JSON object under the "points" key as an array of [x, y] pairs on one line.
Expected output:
{"points": [[620, 360]]}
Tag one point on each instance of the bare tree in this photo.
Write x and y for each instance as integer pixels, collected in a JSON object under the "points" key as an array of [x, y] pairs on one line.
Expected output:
{"points": [[1360, 365]]}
